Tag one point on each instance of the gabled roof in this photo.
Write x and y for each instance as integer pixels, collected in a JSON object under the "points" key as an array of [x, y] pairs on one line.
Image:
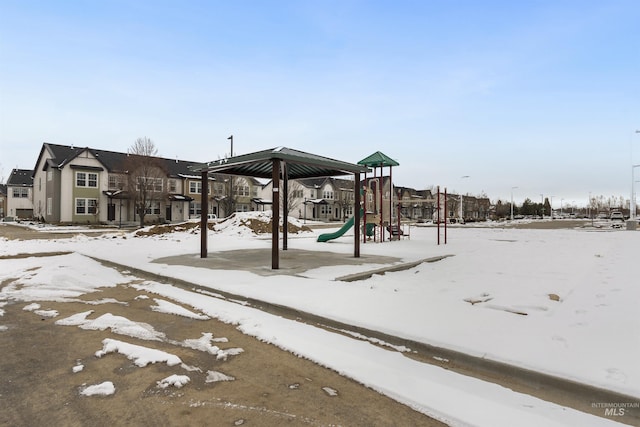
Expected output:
{"points": [[111, 160], [378, 159], [20, 178], [299, 164]]}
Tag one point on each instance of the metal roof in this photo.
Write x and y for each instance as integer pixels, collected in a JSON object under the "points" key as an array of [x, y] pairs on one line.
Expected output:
{"points": [[299, 164], [378, 159]]}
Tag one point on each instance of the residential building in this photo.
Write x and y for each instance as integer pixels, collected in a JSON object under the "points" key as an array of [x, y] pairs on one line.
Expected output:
{"points": [[321, 199], [3, 200], [20, 194], [87, 185]]}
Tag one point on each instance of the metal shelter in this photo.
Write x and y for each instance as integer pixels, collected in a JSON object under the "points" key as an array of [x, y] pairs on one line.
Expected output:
{"points": [[273, 164]]}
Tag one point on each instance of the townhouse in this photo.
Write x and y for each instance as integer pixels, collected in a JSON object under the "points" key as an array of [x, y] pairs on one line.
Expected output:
{"points": [[87, 185], [321, 199], [3, 200], [19, 203]]}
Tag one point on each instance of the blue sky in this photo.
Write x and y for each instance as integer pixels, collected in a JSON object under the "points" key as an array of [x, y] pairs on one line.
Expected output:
{"points": [[539, 95]]}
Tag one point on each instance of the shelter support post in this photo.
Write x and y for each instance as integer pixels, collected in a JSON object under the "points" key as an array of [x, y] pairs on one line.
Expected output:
{"points": [[204, 230], [285, 207], [275, 219], [356, 216]]}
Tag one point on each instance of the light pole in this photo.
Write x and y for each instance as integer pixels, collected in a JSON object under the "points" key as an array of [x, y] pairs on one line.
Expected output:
{"points": [[632, 200], [512, 188], [561, 213], [461, 217]]}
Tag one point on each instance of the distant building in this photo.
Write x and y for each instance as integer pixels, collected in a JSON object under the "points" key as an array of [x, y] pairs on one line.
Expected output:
{"points": [[20, 194], [3, 200]]}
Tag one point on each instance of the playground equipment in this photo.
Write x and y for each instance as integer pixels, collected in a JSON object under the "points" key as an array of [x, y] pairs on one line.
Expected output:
{"points": [[377, 206], [347, 225], [378, 198]]}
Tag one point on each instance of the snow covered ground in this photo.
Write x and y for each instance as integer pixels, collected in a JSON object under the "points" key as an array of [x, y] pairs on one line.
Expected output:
{"points": [[560, 301]]}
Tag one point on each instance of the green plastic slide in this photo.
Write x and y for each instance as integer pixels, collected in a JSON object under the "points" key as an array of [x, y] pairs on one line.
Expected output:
{"points": [[330, 236], [347, 225]]}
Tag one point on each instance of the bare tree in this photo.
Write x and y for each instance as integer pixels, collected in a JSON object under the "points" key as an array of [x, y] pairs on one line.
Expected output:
{"points": [[145, 177], [294, 197]]}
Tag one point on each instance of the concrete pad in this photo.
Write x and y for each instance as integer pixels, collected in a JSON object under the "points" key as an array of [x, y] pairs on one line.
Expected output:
{"points": [[292, 261]]}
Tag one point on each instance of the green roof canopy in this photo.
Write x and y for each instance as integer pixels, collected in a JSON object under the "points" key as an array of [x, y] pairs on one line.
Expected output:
{"points": [[378, 159], [299, 164]]}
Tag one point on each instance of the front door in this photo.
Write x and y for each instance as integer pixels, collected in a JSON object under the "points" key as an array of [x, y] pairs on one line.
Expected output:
{"points": [[168, 215]]}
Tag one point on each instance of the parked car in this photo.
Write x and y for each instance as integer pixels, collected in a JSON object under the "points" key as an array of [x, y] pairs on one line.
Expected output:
{"points": [[616, 216], [211, 217]]}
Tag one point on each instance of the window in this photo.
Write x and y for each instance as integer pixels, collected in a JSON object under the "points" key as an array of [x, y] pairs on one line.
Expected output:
{"points": [[172, 185], [84, 179], [49, 175], [113, 182], [195, 187], [297, 194], [154, 209], [49, 205], [86, 206], [219, 189], [325, 209], [20, 193], [241, 190], [327, 195], [150, 184], [195, 208]]}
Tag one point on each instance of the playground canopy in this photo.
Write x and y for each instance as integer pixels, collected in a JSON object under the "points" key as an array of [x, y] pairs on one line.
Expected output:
{"points": [[378, 159], [274, 163]]}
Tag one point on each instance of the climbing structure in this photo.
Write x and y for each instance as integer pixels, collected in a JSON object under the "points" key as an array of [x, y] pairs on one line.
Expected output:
{"points": [[378, 195]]}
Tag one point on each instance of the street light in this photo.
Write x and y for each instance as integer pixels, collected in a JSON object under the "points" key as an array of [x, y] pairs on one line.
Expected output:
{"points": [[632, 200], [512, 188], [561, 213], [461, 217]]}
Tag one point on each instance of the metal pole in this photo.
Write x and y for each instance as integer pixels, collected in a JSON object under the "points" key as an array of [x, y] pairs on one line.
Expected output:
{"points": [[356, 216], [231, 202], [285, 207], [275, 218], [632, 207], [204, 208], [438, 214], [445, 215]]}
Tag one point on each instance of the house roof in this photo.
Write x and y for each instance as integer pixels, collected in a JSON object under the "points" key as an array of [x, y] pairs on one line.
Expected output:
{"points": [[299, 164], [20, 178], [111, 160], [378, 159]]}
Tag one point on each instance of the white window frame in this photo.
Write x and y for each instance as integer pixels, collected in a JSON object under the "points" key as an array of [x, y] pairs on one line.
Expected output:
{"points": [[86, 179], [88, 206], [195, 187]]}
